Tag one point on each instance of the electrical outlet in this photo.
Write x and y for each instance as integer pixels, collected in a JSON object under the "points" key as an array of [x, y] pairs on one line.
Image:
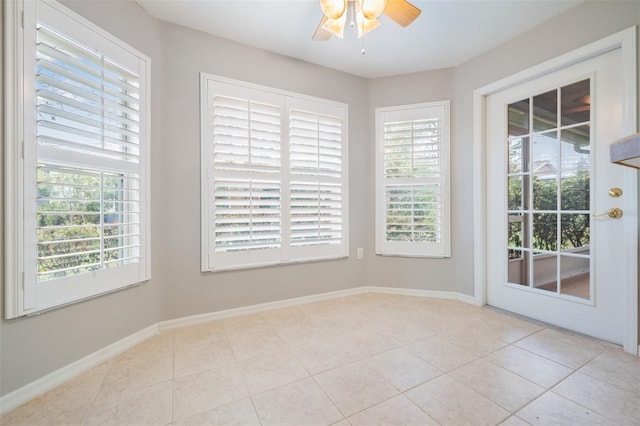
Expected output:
{"points": [[360, 253]]}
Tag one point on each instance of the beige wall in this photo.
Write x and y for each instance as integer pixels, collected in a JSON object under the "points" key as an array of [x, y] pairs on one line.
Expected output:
{"points": [[189, 291], [32, 347]]}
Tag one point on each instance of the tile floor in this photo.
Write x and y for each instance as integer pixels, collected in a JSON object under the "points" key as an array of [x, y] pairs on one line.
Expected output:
{"points": [[371, 359]]}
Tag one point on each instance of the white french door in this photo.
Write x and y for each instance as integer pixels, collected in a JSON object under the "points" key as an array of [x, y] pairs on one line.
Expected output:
{"points": [[558, 213]]}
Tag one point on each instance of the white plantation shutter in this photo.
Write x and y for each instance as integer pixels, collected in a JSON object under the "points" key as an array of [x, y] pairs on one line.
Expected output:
{"points": [[412, 217], [85, 160], [274, 181], [316, 142]]}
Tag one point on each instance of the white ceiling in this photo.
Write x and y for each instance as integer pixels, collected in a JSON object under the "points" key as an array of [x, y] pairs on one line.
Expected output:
{"points": [[446, 34]]}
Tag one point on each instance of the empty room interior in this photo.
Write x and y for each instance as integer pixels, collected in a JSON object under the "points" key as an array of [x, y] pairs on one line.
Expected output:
{"points": [[317, 212]]}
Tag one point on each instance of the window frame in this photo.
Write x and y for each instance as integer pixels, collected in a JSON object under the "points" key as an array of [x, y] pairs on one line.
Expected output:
{"points": [[24, 295], [286, 254], [418, 249]]}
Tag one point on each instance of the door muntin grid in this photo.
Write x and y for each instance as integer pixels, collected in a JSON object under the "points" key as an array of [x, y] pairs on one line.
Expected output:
{"points": [[548, 196]]}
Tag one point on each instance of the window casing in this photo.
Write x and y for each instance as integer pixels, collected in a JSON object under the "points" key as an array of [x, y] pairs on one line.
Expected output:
{"points": [[77, 186], [412, 180], [274, 178]]}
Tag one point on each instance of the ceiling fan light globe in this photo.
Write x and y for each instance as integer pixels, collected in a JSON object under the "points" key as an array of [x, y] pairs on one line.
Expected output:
{"points": [[333, 9], [371, 9], [367, 26], [335, 26]]}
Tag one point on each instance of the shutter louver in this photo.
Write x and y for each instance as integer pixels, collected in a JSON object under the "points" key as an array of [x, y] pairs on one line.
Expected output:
{"points": [[413, 213], [316, 171], [247, 135], [412, 151], [274, 168], [316, 214], [88, 150], [246, 159], [412, 196], [88, 107], [247, 215]]}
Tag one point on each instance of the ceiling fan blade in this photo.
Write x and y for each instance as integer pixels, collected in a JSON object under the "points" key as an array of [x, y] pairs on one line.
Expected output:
{"points": [[401, 11], [321, 34]]}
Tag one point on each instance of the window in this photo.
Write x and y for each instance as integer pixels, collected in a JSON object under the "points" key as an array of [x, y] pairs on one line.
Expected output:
{"points": [[77, 160], [412, 180], [274, 182]]}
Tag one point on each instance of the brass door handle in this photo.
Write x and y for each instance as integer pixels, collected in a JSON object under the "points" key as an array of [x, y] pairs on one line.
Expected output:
{"points": [[613, 213]]}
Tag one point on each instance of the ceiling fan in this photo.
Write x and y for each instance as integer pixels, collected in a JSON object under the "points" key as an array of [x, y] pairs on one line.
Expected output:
{"points": [[365, 13]]}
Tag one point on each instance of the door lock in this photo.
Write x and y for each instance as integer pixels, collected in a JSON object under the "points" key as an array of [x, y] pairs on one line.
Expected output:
{"points": [[613, 213], [615, 192]]}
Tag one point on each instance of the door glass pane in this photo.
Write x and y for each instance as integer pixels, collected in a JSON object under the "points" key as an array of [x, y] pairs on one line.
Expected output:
{"points": [[519, 262], [575, 102], [575, 230], [545, 230], [515, 192], [545, 154], [545, 271], [576, 148], [515, 230], [545, 192], [519, 118], [575, 275], [518, 155], [575, 193], [545, 111], [549, 176]]}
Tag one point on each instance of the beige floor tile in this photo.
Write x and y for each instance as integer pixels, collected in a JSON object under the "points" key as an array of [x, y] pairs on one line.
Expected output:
{"points": [[270, 371], [254, 343], [551, 409], [532, 367], [66, 404], [237, 413], [402, 369], [507, 328], [452, 403], [162, 343], [409, 332], [607, 400], [397, 411], [441, 354], [514, 421], [354, 387], [295, 404], [325, 353], [569, 352], [342, 422], [617, 368], [499, 385], [193, 359], [46, 414], [477, 340], [189, 336], [201, 392], [144, 406], [136, 373]]}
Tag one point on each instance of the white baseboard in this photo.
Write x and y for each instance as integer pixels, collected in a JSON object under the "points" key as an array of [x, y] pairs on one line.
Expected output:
{"points": [[60, 376], [435, 294], [254, 309], [69, 371]]}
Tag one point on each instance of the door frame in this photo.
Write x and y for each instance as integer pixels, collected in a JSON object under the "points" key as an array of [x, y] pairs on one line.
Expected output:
{"points": [[625, 41]]}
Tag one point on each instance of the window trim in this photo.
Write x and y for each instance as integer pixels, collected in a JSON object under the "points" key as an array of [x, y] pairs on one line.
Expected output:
{"points": [[21, 295], [412, 249], [309, 253]]}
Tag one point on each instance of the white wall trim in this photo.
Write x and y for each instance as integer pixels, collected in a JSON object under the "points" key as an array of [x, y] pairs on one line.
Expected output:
{"points": [[69, 371], [62, 375], [626, 40], [254, 309]]}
